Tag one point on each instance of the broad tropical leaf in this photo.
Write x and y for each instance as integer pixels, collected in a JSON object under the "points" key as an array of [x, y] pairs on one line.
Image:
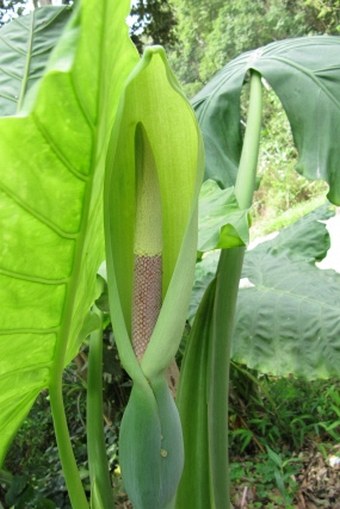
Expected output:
{"points": [[305, 74], [25, 46], [306, 239], [51, 184], [288, 321], [284, 301]]}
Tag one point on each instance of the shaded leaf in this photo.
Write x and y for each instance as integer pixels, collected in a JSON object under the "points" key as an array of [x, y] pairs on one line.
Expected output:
{"points": [[289, 321], [204, 273], [305, 74], [25, 46], [192, 401], [287, 318], [306, 239]]}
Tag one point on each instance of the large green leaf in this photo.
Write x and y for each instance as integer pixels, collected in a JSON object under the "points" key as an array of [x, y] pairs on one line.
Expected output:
{"points": [[288, 318], [305, 74], [25, 45], [51, 174]]}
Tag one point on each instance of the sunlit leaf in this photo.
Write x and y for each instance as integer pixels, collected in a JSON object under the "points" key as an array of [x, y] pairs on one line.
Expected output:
{"points": [[51, 232]]}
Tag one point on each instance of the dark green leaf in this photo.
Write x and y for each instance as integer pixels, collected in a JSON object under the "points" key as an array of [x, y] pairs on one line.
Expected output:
{"points": [[305, 74], [192, 400], [289, 321], [25, 46], [307, 239]]}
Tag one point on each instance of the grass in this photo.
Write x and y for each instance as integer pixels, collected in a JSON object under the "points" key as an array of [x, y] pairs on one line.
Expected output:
{"points": [[277, 427], [266, 225]]}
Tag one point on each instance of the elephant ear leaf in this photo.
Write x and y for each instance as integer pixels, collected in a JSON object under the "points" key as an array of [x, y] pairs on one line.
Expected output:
{"points": [[305, 74], [51, 184], [25, 46], [287, 318]]}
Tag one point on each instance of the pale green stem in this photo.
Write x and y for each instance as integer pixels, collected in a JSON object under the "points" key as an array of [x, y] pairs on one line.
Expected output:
{"points": [[68, 462], [246, 175], [98, 464], [227, 282]]}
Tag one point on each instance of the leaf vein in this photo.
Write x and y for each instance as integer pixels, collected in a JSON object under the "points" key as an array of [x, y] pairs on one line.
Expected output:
{"points": [[4, 70], [57, 151], [82, 107], [8, 97], [27, 330], [34, 279], [14, 48], [59, 231], [311, 75]]}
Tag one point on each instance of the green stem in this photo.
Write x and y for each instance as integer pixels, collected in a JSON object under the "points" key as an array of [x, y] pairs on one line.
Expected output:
{"points": [[227, 281], [68, 462], [98, 464], [246, 175]]}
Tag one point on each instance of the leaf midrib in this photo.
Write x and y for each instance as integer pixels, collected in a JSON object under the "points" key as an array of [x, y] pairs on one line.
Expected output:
{"points": [[63, 337], [24, 82]]}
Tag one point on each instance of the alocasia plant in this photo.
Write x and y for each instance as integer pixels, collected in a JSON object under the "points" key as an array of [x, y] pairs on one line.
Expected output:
{"points": [[284, 296], [305, 74], [100, 108]]}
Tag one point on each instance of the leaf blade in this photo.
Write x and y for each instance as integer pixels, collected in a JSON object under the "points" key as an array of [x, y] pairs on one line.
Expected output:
{"points": [[25, 45], [305, 74], [55, 185]]}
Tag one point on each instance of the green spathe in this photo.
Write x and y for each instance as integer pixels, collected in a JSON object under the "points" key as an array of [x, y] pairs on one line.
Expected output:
{"points": [[151, 446], [156, 125], [152, 100]]}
